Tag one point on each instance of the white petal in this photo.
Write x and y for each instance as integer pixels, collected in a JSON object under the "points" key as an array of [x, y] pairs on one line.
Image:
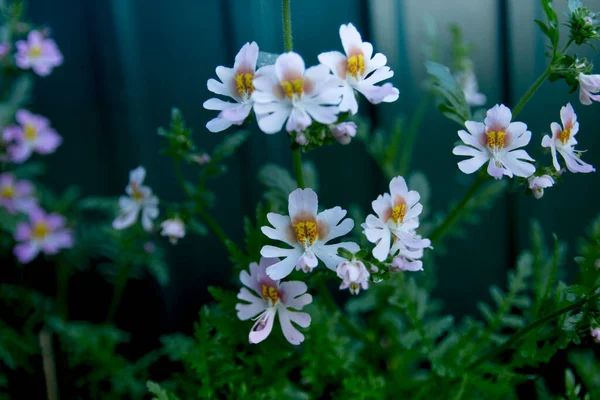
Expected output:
{"points": [[303, 204], [498, 118], [351, 39], [335, 61], [218, 88], [218, 124], [246, 58], [273, 123], [289, 66], [293, 335]]}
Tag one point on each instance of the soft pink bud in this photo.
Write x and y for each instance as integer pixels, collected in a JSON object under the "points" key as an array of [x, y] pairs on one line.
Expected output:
{"points": [[344, 132]]}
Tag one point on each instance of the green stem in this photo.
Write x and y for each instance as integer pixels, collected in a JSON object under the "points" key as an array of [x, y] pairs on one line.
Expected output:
{"points": [[530, 92], [297, 159], [62, 290], [440, 230], [333, 307], [411, 133], [287, 25], [120, 284], [493, 353], [214, 226], [288, 45]]}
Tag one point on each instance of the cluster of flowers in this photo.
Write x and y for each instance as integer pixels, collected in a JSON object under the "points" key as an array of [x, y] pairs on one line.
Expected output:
{"points": [[44, 232], [141, 201], [307, 232], [289, 93], [498, 141]]}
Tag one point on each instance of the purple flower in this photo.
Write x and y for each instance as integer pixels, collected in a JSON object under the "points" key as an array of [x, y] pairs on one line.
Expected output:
{"points": [[595, 334], [38, 53], [44, 232], [16, 195], [4, 49], [32, 134]]}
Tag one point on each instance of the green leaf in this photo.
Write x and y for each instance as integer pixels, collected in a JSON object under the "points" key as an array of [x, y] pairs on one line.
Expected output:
{"points": [[451, 98], [279, 184], [229, 146], [160, 393]]}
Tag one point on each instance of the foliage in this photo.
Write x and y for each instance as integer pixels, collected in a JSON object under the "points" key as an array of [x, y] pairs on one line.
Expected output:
{"points": [[394, 340]]}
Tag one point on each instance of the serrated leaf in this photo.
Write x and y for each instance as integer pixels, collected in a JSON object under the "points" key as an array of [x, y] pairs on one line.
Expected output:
{"points": [[486, 311], [229, 146]]}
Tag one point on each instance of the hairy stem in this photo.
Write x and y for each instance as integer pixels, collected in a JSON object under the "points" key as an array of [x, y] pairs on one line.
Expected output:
{"points": [[120, 284], [288, 45], [287, 25], [493, 353], [297, 158], [451, 218], [48, 364]]}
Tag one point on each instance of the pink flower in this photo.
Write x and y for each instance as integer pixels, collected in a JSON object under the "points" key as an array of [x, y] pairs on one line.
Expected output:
{"points": [[38, 53], [174, 229], [406, 258], [44, 232], [354, 276], [588, 85], [4, 49], [288, 91], [358, 69], [497, 141], [32, 134], [595, 333], [563, 142], [201, 159], [537, 184], [236, 83], [344, 132], [16, 195], [266, 298], [397, 217]]}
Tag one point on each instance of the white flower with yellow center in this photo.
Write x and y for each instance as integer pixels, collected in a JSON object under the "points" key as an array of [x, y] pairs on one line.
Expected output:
{"points": [[139, 199], [563, 141], [496, 141], [288, 92], [358, 70], [237, 83], [397, 217], [308, 233], [264, 298]]}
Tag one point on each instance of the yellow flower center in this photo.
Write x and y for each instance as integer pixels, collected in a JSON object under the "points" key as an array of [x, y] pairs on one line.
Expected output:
{"points": [[135, 192], [293, 88], [495, 140], [565, 135], [398, 213], [40, 230], [30, 132], [8, 192], [356, 66], [270, 293], [243, 84], [306, 232], [35, 51]]}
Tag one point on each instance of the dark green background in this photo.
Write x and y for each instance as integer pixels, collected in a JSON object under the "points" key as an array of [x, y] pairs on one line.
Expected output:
{"points": [[128, 62]]}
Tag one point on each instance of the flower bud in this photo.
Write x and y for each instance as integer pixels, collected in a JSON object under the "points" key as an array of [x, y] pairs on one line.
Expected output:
{"points": [[344, 132]]}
